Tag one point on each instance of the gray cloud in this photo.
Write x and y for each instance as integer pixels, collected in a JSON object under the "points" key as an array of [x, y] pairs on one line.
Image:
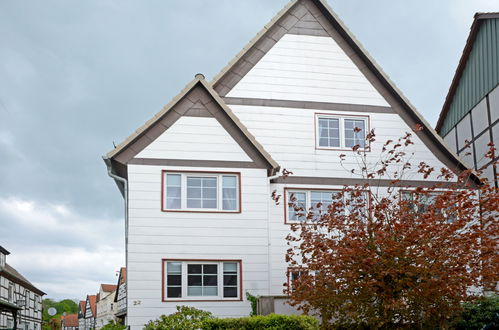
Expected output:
{"points": [[76, 76]]}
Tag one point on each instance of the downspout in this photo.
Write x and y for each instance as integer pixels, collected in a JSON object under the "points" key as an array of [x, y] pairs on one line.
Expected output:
{"points": [[269, 236], [125, 197]]}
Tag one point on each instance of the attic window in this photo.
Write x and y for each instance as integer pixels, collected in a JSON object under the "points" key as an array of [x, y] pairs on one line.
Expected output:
{"points": [[341, 132]]}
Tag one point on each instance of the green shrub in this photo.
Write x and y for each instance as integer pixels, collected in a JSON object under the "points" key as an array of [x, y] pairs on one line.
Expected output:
{"points": [[259, 322], [185, 318], [114, 326], [479, 314]]}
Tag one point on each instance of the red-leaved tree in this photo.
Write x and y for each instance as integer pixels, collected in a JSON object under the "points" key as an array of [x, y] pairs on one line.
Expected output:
{"points": [[387, 256]]}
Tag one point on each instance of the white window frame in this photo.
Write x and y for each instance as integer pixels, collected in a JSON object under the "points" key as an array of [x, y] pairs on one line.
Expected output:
{"points": [[220, 284], [308, 201], [341, 119], [183, 191]]}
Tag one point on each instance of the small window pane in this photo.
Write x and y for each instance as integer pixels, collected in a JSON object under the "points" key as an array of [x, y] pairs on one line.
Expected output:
{"points": [[194, 269], [320, 201], [209, 203], [210, 269], [173, 191], [329, 133], [354, 133], [210, 280], [174, 267], [230, 292], [194, 291], [230, 280], [173, 180], [230, 267], [229, 192], [299, 203], [174, 280], [194, 280], [210, 291], [194, 203], [174, 292]]}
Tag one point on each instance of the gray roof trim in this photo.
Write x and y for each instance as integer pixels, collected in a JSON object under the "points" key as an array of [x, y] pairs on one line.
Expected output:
{"points": [[4, 251], [193, 162], [307, 105], [309, 180]]}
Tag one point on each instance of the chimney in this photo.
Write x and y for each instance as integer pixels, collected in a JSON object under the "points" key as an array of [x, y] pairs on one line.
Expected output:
{"points": [[3, 256]]}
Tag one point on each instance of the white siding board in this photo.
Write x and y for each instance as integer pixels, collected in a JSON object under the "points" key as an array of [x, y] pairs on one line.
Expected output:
{"points": [[195, 138], [307, 68]]}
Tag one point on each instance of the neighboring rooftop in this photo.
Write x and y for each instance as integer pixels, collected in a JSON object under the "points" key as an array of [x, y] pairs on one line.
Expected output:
{"points": [[477, 72], [11, 273], [70, 320], [108, 287], [4, 251]]}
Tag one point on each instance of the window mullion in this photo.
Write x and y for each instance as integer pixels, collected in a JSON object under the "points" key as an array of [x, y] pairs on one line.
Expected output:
{"points": [[219, 192], [183, 191], [341, 133], [220, 283], [184, 279]]}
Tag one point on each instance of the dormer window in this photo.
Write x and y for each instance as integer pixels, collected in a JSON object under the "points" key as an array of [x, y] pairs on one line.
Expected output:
{"points": [[341, 132]]}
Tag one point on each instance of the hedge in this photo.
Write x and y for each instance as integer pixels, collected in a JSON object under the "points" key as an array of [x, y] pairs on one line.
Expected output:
{"points": [[259, 322]]}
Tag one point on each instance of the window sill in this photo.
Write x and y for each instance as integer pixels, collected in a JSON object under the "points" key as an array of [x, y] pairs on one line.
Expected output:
{"points": [[342, 149], [200, 211], [203, 300]]}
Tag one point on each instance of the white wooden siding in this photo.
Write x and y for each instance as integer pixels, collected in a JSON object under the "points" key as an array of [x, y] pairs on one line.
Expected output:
{"points": [[307, 68], [155, 235], [195, 138], [289, 136]]}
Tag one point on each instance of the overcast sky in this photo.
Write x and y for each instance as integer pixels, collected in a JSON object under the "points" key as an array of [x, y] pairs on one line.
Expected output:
{"points": [[77, 75]]}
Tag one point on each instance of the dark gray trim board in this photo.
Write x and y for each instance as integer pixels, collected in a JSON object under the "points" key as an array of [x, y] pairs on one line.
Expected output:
{"points": [[193, 163], [310, 180], [307, 105]]}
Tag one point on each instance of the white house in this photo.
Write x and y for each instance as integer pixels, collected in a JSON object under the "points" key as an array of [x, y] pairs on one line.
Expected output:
{"points": [[81, 314], [20, 300], [90, 312], [201, 227], [106, 307], [70, 322], [120, 297]]}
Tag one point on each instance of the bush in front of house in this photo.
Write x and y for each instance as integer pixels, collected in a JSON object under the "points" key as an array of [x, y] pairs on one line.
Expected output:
{"points": [[112, 325], [184, 318], [260, 322], [484, 312], [190, 318]]}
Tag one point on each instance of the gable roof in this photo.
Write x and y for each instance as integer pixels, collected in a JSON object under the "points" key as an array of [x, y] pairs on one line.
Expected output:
{"points": [[178, 106], [82, 306], [121, 280], [108, 287], [92, 302], [478, 19], [286, 20], [70, 320], [11, 273]]}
